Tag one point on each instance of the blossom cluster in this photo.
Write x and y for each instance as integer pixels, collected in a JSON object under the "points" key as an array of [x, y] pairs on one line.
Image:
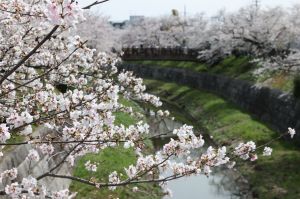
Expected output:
{"points": [[245, 150], [52, 80], [113, 179], [81, 118], [28, 185], [4, 133], [61, 11], [90, 166]]}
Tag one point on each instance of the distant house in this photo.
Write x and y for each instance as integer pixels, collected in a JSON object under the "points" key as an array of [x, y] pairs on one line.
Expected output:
{"points": [[136, 19], [132, 20]]}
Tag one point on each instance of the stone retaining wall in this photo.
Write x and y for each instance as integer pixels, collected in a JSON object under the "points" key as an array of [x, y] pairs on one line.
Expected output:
{"points": [[278, 109], [15, 157]]}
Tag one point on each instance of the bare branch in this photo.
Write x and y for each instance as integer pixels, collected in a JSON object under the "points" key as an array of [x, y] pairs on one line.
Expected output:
{"points": [[93, 4]]}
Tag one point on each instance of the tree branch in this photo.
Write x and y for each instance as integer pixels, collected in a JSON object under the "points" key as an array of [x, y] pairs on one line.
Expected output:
{"points": [[42, 75], [93, 4], [84, 181], [33, 51]]}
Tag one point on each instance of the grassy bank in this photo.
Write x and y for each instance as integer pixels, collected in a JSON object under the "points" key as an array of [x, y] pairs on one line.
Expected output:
{"points": [[277, 176], [113, 159], [236, 67]]}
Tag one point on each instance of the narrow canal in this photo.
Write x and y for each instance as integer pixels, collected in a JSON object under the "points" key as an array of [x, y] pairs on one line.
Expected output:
{"points": [[223, 183]]}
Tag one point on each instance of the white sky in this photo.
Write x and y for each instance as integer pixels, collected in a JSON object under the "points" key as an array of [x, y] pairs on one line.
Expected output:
{"points": [[120, 10]]}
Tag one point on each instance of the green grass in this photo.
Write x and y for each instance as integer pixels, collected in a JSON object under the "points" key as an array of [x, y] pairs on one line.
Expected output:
{"points": [[277, 79], [232, 66], [14, 139], [213, 112], [270, 177], [176, 64], [237, 67], [109, 160]]}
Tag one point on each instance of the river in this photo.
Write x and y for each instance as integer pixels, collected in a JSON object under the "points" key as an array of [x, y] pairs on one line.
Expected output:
{"points": [[223, 183]]}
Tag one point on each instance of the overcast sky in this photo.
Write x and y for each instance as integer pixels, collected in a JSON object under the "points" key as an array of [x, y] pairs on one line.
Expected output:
{"points": [[120, 10]]}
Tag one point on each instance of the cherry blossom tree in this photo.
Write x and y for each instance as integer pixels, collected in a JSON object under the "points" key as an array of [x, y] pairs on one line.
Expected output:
{"points": [[268, 34], [145, 32], [271, 35], [99, 32], [166, 31], [38, 52]]}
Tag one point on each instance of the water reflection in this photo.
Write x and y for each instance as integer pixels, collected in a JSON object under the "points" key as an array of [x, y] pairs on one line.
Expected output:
{"points": [[195, 187], [221, 184]]}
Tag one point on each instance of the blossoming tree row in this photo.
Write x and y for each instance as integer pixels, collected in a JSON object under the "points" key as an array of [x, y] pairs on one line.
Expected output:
{"points": [[269, 34]]}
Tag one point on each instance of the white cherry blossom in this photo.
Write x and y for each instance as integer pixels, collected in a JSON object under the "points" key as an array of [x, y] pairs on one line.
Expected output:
{"points": [[267, 151], [292, 132]]}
